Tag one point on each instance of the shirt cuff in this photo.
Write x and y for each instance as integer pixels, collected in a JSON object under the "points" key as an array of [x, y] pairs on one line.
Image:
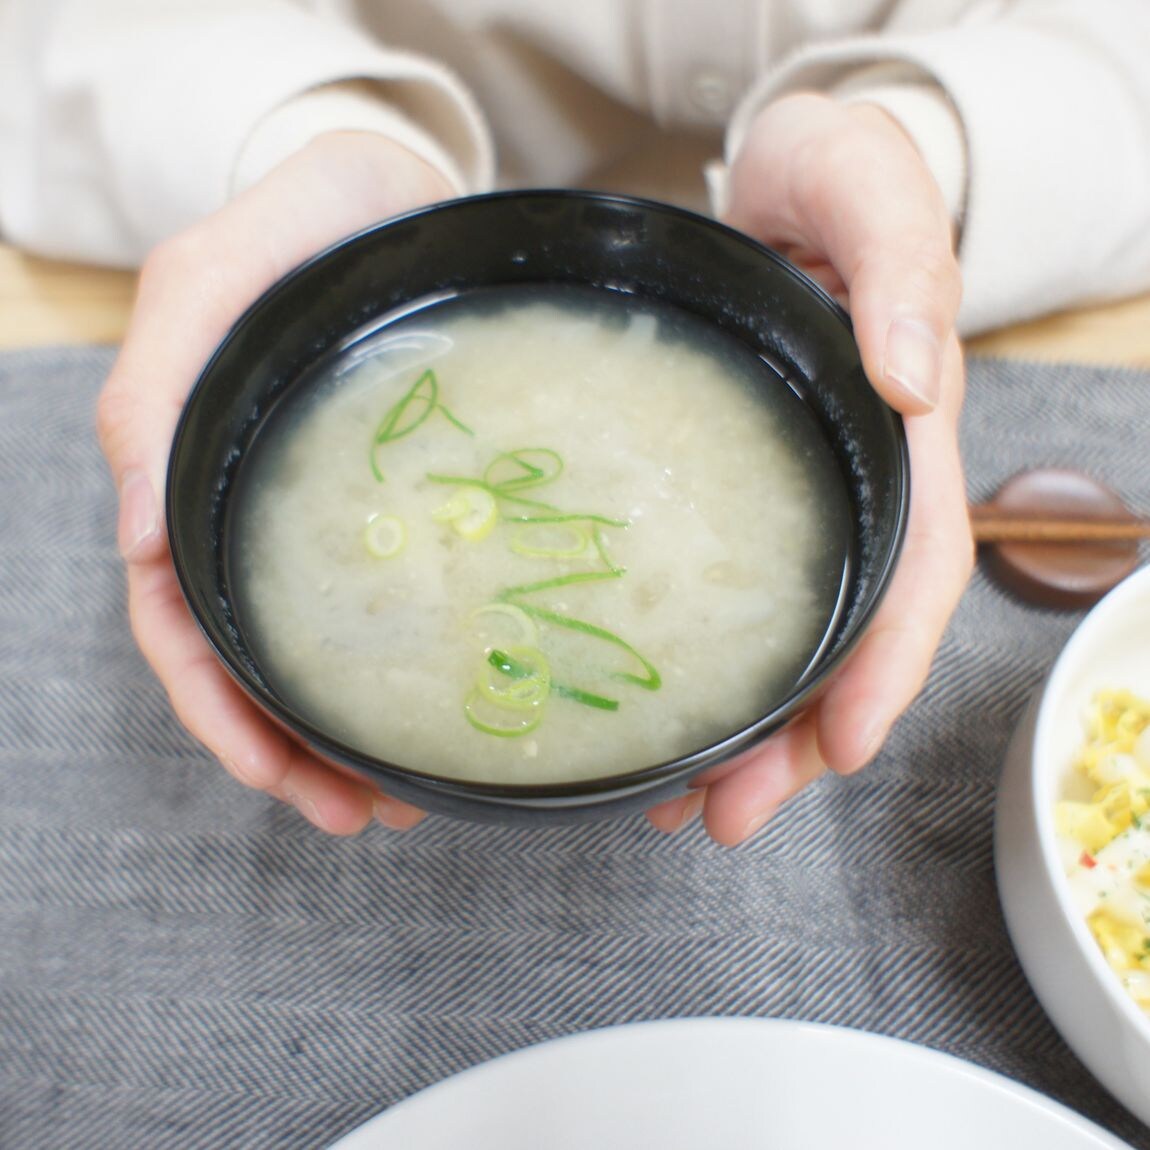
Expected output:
{"points": [[1057, 160], [169, 159], [351, 106], [904, 90]]}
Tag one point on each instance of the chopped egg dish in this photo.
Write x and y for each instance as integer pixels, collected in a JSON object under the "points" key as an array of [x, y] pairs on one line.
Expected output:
{"points": [[1105, 835]]}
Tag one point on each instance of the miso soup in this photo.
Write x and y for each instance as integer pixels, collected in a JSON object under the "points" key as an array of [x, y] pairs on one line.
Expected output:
{"points": [[532, 536]]}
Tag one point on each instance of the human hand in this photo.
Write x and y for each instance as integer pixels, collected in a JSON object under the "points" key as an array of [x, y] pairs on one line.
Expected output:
{"points": [[192, 288], [842, 192]]}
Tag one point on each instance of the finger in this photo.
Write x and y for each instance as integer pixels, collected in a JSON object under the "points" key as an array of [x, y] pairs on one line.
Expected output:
{"points": [[206, 700], [743, 802], [821, 270], [396, 814], [327, 799], [847, 181], [888, 669], [190, 292], [185, 302], [891, 240], [217, 713], [193, 287], [675, 814]]}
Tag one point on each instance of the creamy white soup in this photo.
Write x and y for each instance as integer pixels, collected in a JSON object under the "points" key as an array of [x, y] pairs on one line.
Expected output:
{"points": [[537, 536]]}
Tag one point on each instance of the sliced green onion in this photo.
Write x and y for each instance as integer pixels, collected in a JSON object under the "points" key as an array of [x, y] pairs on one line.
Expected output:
{"points": [[528, 632], [524, 678], [512, 593], [601, 548], [520, 501], [651, 680], [457, 481], [508, 697], [425, 391], [508, 664], [384, 536], [456, 421], [423, 395], [565, 517], [550, 540], [587, 698], [472, 511], [500, 721], [524, 467]]}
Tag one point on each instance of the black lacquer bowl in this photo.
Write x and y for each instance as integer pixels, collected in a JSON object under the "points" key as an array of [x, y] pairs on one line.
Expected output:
{"points": [[555, 238]]}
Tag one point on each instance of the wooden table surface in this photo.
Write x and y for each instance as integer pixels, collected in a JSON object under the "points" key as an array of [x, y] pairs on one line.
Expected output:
{"points": [[43, 302]]}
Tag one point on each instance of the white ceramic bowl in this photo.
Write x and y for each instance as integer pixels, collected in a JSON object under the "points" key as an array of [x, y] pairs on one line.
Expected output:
{"points": [[1082, 995]]}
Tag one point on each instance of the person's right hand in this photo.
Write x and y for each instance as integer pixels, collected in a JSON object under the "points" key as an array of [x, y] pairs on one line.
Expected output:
{"points": [[192, 289]]}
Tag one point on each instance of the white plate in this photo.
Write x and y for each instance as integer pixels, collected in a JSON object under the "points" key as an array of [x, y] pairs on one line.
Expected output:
{"points": [[730, 1083]]}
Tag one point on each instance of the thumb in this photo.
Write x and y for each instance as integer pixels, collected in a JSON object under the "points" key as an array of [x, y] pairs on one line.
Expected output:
{"points": [[847, 183], [134, 430], [179, 314], [193, 286], [904, 291]]}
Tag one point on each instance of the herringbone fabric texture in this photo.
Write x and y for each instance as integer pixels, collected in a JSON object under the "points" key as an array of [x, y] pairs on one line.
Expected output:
{"points": [[184, 964]]}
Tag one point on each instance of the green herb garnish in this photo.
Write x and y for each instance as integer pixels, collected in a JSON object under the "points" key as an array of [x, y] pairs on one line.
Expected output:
{"points": [[408, 413], [510, 691], [508, 665]]}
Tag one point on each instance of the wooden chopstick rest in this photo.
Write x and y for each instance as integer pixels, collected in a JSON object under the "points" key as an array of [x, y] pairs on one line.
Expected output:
{"points": [[1057, 538]]}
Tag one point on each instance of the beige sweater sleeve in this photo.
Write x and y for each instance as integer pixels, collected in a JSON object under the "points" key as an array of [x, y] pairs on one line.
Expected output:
{"points": [[122, 121], [1053, 100]]}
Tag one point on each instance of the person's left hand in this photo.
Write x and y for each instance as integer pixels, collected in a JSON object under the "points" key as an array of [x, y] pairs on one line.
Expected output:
{"points": [[193, 287], [843, 192]]}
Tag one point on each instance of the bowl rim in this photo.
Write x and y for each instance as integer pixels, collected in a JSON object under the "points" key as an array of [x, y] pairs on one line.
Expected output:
{"points": [[1044, 765], [599, 787]]}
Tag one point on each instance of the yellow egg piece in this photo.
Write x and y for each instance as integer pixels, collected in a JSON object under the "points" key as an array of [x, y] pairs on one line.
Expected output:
{"points": [[1124, 943], [1085, 823]]}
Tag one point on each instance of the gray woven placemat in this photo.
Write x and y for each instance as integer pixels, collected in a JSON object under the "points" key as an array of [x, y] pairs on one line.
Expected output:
{"points": [[186, 964]]}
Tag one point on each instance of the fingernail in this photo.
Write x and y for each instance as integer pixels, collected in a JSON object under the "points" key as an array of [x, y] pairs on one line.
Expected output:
{"points": [[382, 815], [692, 808], [305, 806], [393, 817], [242, 775], [229, 765], [913, 360], [139, 513]]}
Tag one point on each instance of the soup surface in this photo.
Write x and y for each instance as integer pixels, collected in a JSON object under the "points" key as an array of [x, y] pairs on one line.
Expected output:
{"points": [[533, 536]]}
